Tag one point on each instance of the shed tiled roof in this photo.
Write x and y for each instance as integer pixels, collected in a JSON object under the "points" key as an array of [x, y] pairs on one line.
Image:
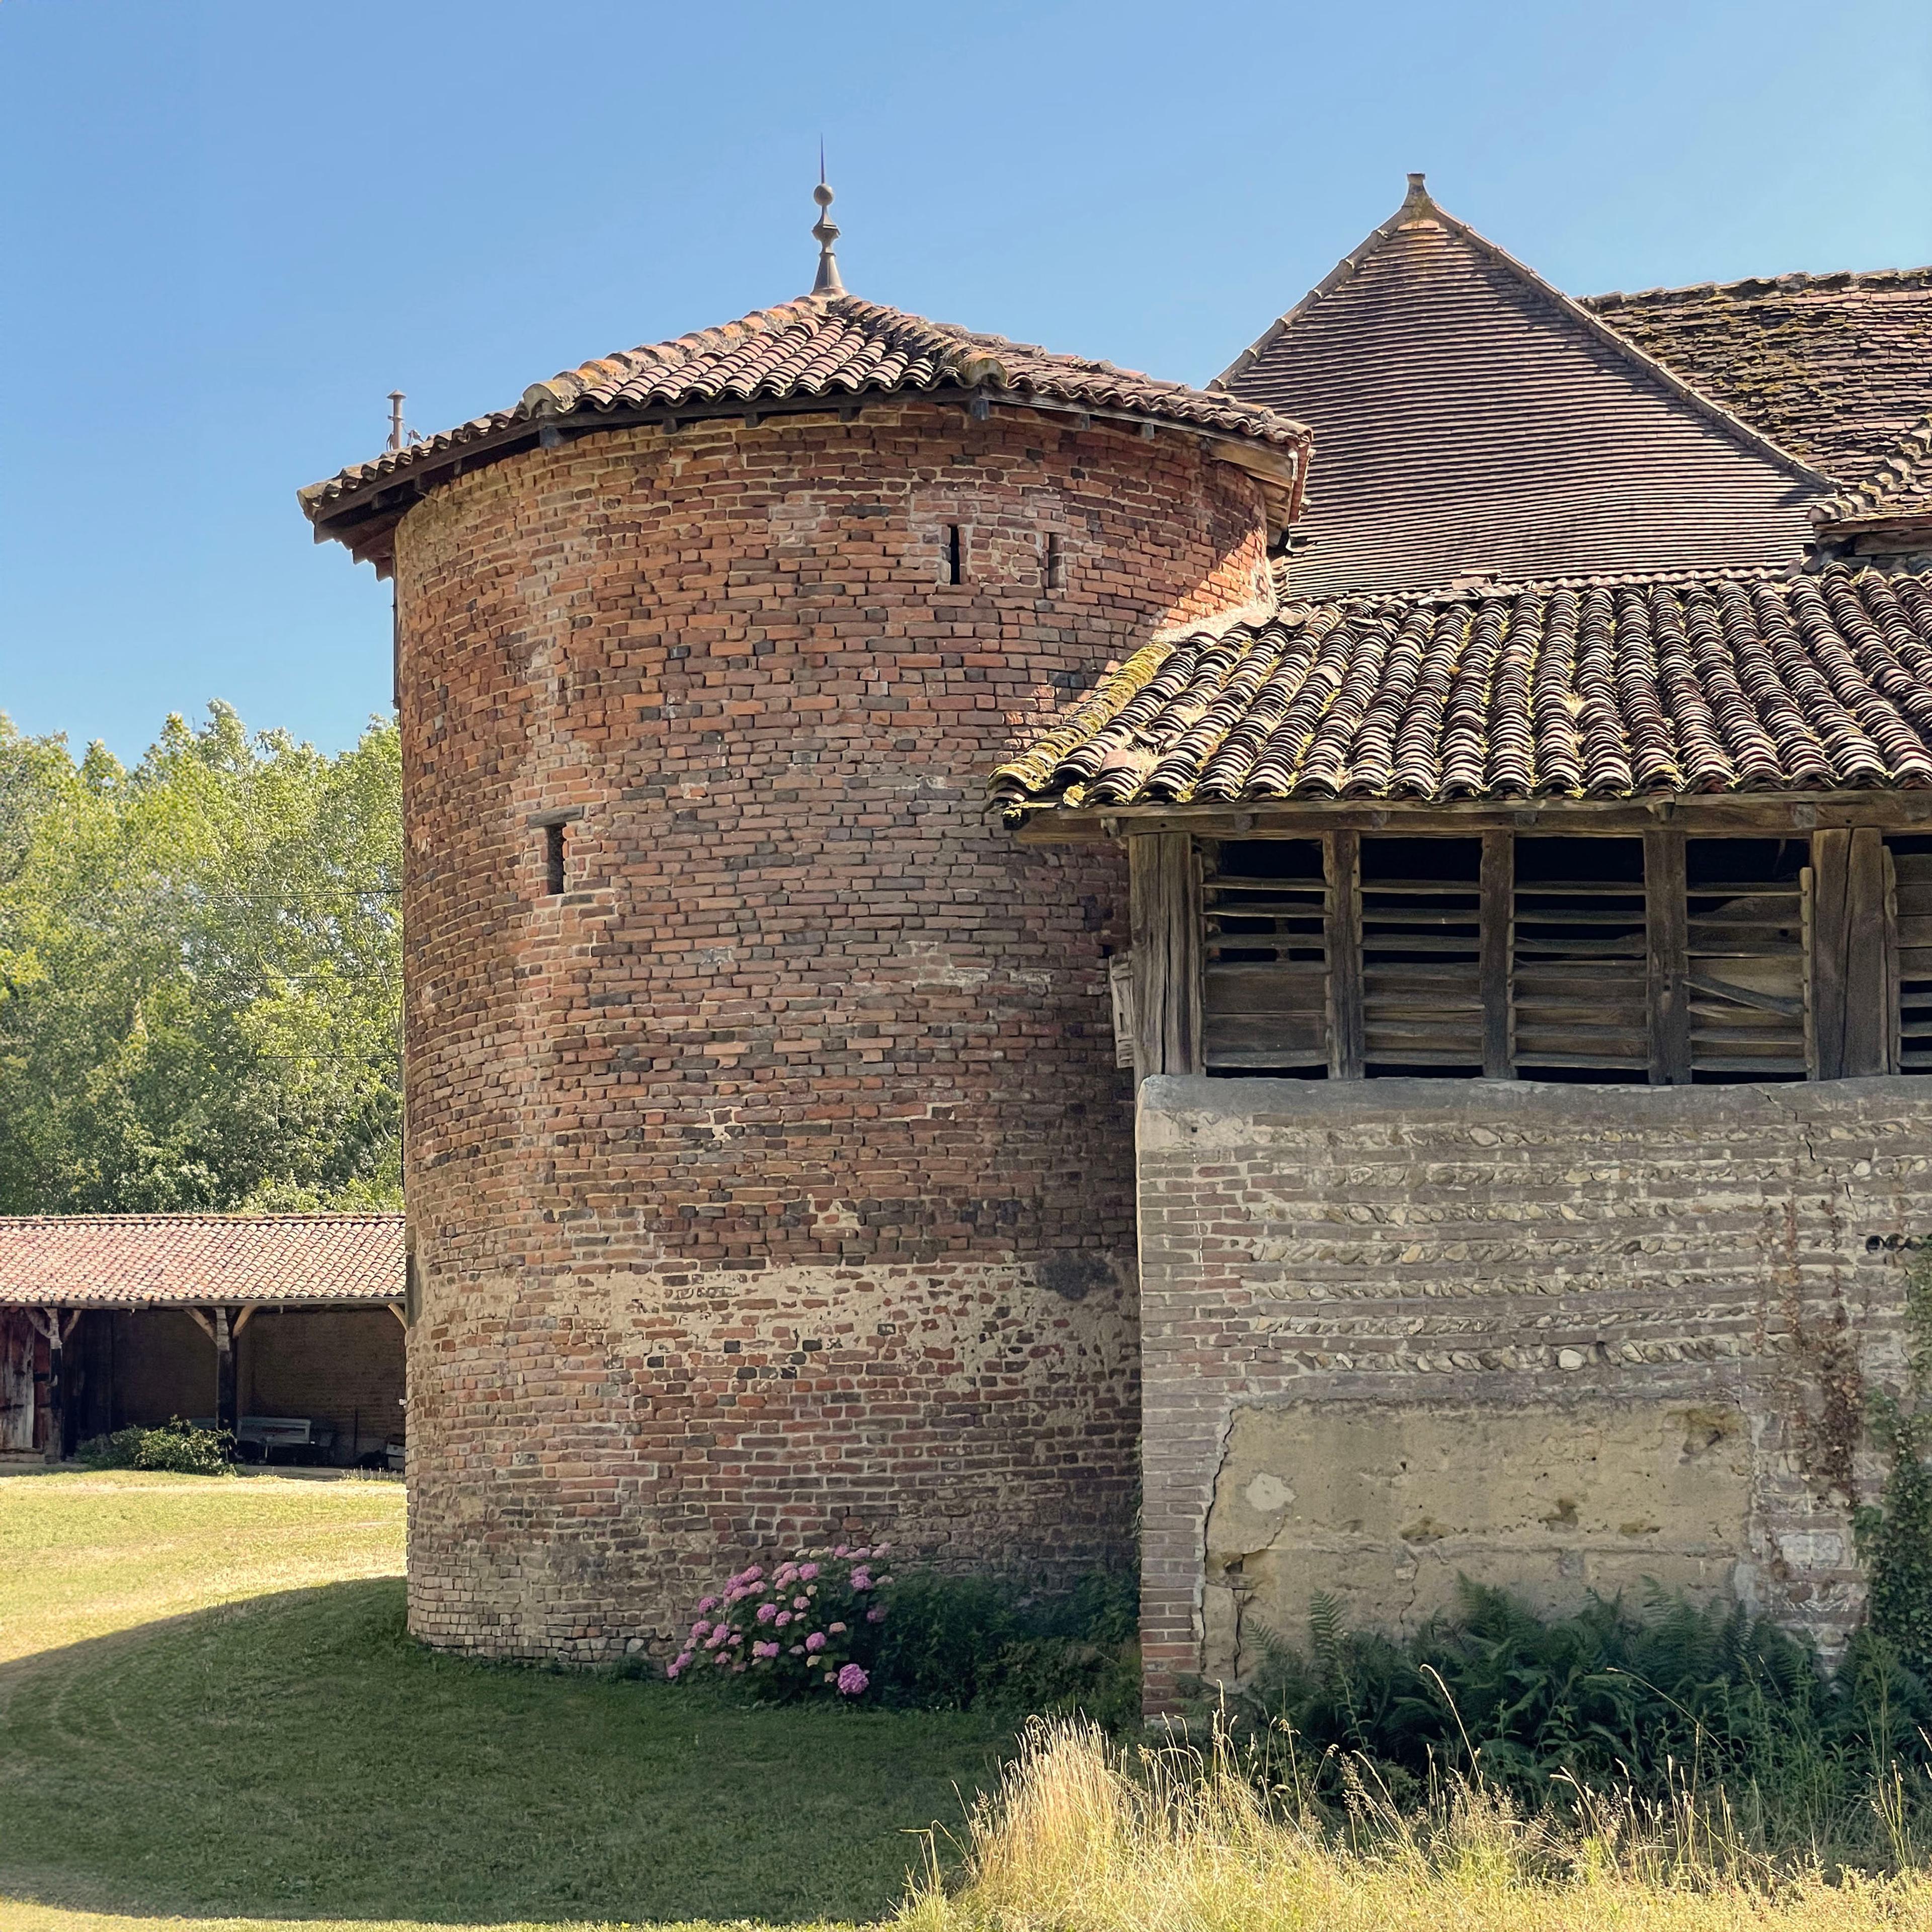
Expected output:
{"points": [[1603, 689], [1471, 420], [98, 1261], [1900, 488], [1836, 368], [833, 346]]}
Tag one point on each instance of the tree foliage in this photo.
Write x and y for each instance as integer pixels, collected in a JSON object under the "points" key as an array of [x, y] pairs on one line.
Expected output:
{"points": [[200, 974]]}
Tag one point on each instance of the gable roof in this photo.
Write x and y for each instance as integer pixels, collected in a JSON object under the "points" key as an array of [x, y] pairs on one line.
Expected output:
{"points": [[1607, 690], [816, 350], [1837, 368], [114, 1261], [1470, 420]]}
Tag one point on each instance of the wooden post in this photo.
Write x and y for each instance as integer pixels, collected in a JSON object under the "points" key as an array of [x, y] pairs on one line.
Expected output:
{"points": [[49, 1322], [1666, 918], [1850, 974], [1498, 914], [56, 1387], [1164, 901], [1341, 855], [226, 1414]]}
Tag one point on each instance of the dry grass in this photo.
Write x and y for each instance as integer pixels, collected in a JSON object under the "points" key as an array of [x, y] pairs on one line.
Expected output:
{"points": [[1083, 1838]]}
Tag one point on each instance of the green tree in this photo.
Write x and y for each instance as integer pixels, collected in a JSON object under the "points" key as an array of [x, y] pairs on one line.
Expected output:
{"points": [[200, 974]]}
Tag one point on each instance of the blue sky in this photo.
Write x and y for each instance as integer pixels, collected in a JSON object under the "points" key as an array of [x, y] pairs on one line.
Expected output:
{"points": [[227, 229]]}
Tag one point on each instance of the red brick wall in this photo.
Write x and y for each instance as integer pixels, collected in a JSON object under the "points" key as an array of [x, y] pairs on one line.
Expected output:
{"points": [[339, 1365], [776, 1177]]}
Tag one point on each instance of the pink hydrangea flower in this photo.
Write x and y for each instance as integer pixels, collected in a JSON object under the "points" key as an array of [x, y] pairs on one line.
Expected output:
{"points": [[797, 1650], [801, 1603], [751, 1575], [841, 1551], [723, 1656], [767, 1612], [837, 1629], [816, 1642], [885, 1582], [851, 1681], [764, 1650], [670, 1670], [716, 1637], [702, 1627], [881, 1548], [806, 1571], [683, 1661], [877, 1616], [862, 1579], [783, 1618], [706, 1604]]}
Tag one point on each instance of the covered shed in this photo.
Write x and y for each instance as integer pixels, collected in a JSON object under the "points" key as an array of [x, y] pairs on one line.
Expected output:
{"points": [[109, 1321]]}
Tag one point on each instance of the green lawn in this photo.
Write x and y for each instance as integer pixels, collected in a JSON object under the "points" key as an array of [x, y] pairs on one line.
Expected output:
{"points": [[195, 1722]]}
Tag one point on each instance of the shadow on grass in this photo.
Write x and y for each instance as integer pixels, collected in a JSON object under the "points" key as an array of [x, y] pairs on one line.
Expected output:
{"points": [[299, 1755]]}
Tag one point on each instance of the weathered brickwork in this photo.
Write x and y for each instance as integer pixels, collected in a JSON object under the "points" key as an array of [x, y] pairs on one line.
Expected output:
{"points": [[1360, 1302], [775, 1175]]}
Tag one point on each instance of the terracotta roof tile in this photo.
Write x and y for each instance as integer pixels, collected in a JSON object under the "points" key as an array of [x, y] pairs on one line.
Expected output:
{"points": [[1593, 687], [827, 347], [1835, 368], [114, 1260]]}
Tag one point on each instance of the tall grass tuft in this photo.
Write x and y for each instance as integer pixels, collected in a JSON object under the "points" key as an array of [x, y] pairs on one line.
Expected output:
{"points": [[1084, 1836]]}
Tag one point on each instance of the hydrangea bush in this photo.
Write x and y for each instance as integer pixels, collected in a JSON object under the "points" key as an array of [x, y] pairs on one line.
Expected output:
{"points": [[808, 1627]]}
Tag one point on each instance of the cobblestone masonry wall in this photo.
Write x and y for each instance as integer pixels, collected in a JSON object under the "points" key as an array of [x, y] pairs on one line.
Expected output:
{"points": [[1560, 1337], [775, 1177]]}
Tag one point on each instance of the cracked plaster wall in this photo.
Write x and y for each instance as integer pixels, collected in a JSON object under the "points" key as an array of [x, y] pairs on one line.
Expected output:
{"points": [[1561, 1337]]}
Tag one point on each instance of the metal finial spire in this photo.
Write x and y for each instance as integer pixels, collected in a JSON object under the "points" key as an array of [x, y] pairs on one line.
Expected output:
{"points": [[825, 232]]}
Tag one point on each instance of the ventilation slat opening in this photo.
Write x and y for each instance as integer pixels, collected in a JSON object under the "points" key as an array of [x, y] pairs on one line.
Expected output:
{"points": [[1422, 993], [1265, 1008], [1747, 944]]}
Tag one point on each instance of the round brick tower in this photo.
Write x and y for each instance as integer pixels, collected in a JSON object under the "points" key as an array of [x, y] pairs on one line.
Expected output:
{"points": [[768, 1166]]}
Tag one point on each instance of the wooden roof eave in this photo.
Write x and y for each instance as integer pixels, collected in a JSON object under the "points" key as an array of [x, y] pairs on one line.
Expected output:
{"points": [[1708, 814], [270, 1304]]}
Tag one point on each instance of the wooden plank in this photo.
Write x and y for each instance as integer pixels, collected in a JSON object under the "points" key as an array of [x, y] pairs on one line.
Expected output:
{"points": [[1498, 894], [1713, 815], [1164, 899], [1850, 971], [1341, 863], [1893, 1004], [1666, 900]]}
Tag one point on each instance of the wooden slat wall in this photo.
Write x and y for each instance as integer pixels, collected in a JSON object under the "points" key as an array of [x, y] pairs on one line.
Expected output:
{"points": [[1580, 946], [1265, 1005], [1911, 867], [1730, 959], [1746, 955], [1422, 992]]}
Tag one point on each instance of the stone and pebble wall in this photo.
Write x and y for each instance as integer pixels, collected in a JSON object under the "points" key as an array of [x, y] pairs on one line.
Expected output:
{"points": [[1556, 1338]]}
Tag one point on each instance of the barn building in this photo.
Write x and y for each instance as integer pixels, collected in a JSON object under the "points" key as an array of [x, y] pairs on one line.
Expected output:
{"points": [[283, 1328], [1330, 970]]}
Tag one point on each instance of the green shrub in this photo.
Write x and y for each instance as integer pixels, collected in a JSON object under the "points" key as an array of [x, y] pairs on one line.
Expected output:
{"points": [[974, 1643], [1603, 1699], [174, 1446], [1895, 1534], [919, 1641]]}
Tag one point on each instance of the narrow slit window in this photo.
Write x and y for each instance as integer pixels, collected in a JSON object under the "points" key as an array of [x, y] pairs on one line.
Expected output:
{"points": [[1056, 563], [954, 574], [553, 860], [1265, 1004], [1746, 922]]}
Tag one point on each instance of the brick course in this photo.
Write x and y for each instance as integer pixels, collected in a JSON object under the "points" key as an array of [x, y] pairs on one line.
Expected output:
{"points": [[1500, 1246], [774, 1176]]}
